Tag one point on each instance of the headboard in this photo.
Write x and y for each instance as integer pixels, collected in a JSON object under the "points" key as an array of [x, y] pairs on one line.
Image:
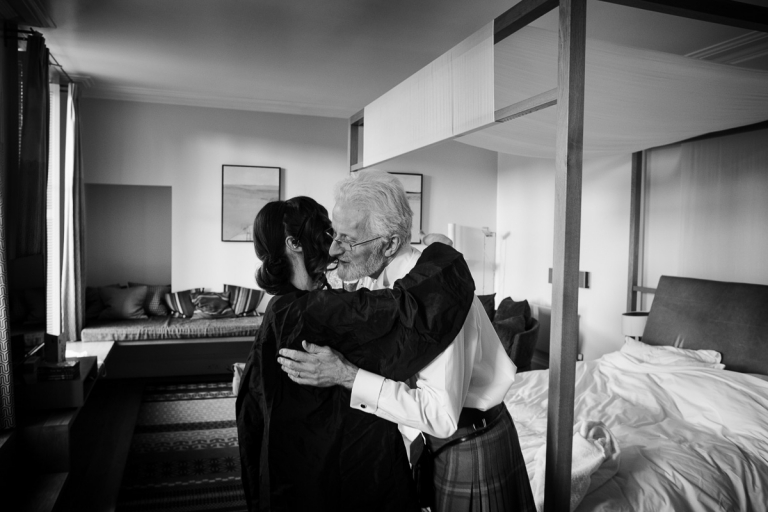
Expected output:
{"points": [[731, 318]]}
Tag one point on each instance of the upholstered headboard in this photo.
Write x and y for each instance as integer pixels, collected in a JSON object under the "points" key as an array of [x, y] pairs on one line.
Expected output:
{"points": [[731, 318]]}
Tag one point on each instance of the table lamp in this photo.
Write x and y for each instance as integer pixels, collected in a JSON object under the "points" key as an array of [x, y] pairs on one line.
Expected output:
{"points": [[633, 323]]}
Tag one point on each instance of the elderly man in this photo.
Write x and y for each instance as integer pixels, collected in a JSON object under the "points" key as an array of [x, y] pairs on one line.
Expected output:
{"points": [[456, 402]]}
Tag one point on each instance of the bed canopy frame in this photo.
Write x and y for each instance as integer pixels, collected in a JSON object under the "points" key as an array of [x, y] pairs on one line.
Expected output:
{"points": [[447, 100]]}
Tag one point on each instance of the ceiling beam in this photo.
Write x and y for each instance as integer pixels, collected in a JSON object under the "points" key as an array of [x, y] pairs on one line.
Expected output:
{"points": [[724, 12], [519, 16]]}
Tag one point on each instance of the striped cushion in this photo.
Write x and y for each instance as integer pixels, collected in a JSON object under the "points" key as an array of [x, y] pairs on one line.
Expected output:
{"points": [[180, 303], [211, 305], [154, 303], [244, 300]]}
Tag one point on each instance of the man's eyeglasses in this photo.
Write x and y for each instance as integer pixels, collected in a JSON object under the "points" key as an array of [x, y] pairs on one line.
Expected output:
{"points": [[347, 246]]}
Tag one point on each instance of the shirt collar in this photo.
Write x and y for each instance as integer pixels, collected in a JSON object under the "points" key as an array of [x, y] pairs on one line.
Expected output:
{"points": [[397, 268]]}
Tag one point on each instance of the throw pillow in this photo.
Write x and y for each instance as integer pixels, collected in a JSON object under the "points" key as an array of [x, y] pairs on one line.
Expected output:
{"points": [[508, 328], [154, 304], [489, 304], [211, 305], [123, 303], [508, 308], [180, 303], [244, 300]]}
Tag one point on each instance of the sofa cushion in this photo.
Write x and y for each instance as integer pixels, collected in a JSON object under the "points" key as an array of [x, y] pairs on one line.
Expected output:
{"points": [[244, 300], [211, 305], [123, 303], [180, 303], [508, 308], [154, 303], [489, 304], [508, 328]]}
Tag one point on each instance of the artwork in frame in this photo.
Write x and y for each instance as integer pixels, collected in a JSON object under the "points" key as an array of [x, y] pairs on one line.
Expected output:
{"points": [[245, 189]]}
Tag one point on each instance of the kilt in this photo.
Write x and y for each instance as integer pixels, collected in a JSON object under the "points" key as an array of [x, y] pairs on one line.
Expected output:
{"points": [[484, 474]]}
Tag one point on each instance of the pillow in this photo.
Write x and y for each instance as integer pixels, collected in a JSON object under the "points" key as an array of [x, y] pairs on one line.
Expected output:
{"points": [[244, 300], [180, 303], [489, 304], [154, 303], [672, 356], [508, 328], [508, 308], [123, 303], [211, 305], [34, 304]]}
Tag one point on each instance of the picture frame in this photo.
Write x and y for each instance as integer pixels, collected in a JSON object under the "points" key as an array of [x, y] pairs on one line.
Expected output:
{"points": [[245, 189], [414, 189]]}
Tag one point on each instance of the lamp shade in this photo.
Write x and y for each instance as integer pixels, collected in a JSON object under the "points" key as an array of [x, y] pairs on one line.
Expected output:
{"points": [[633, 323]]}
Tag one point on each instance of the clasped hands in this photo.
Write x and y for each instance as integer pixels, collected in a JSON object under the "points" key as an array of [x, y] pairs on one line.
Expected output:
{"points": [[319, 366]]}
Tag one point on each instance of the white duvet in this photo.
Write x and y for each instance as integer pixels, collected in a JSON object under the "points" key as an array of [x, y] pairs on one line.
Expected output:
{"points": [[692, 436]]}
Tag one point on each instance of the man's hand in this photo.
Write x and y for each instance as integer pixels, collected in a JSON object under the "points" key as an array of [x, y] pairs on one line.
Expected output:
{"points": [[319, 366]]}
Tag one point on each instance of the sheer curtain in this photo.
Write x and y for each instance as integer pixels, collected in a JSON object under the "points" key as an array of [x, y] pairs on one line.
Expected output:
{"points": [[72, 298], [706, 208]]}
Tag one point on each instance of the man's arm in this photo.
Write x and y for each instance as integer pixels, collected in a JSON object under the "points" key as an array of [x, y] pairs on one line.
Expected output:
{"points": [[433, 406]]}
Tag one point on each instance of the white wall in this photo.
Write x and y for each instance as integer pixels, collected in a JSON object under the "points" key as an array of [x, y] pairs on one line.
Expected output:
{"points": [[459, 188], [133, 143], [526, 233]]}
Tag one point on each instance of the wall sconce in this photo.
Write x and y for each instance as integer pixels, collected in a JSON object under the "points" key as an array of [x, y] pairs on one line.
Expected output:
{"points": [[633, 323]]}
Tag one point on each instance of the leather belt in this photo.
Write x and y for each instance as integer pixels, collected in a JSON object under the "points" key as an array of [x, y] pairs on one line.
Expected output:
{"points": [[472, 423]]}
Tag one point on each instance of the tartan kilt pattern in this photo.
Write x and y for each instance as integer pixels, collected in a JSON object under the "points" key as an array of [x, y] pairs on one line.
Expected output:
{"points": [[484, 474]]}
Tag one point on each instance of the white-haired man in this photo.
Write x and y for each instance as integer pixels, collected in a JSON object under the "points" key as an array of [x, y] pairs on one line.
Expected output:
{"points": [[457, 400]]}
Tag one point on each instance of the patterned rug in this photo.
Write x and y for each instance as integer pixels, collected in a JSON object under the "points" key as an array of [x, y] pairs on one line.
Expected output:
{"points": [[184, 454]]}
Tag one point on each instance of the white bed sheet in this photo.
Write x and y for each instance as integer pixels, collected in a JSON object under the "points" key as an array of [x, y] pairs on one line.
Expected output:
{"points": [[691, 438]]}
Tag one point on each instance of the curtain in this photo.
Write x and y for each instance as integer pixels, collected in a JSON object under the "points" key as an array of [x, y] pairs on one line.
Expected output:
{"points": [[27, 184], [7, 416], [706, 208], [72, 297]]}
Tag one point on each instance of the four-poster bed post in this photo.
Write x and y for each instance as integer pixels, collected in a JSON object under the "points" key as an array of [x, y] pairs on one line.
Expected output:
{"points": [[569, 97]]}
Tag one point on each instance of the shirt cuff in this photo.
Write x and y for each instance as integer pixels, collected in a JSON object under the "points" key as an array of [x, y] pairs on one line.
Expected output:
{"points": [[365, 391]]}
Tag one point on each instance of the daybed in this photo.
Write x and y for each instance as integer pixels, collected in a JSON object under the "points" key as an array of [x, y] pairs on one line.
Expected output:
{"points": [[160, 334], [682, 433]]}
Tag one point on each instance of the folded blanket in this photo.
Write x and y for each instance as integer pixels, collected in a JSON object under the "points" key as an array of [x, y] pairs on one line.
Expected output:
{"points": [[595, 460]]}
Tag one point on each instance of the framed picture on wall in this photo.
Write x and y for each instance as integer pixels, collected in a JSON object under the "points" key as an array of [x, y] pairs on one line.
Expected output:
{"points": [[413, 184], [245, 190]]}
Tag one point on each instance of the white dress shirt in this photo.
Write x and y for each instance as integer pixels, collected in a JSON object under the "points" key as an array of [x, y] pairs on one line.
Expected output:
{"points": [[474, 371]]}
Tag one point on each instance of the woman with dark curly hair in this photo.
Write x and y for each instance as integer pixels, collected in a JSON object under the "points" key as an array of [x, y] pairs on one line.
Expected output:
{"points": [[303, 447]]}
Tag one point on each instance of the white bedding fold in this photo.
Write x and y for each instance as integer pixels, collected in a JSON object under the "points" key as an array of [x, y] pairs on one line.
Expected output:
{"points": [[595, 459]]}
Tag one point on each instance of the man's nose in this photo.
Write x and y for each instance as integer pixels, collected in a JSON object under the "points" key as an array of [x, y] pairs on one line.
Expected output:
{"points": [[335, 249]]}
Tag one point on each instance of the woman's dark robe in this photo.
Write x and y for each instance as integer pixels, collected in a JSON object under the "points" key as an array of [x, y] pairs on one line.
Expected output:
{"points": [[313, 451]]}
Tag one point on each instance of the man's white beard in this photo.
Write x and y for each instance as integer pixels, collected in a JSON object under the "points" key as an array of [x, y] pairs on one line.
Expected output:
{"points": [[354, 271]]}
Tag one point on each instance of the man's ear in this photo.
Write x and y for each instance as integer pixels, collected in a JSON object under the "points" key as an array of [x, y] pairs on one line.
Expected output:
{"points": [[395, 242], [293, 245]]}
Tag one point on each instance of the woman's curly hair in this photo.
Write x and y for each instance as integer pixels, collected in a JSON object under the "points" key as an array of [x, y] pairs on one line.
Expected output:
{"points": [[302, 219]]}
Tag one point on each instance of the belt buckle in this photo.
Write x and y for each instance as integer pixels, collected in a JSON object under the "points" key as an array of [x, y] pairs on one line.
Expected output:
{"points": [[474, 426]]}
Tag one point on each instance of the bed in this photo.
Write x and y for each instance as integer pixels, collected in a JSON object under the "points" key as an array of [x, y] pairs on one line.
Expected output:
{"points": [[686, 411], [462, 95]]}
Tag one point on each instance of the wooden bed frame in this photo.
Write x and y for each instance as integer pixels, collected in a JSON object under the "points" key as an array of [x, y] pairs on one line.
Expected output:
{"points": [[569, 98]]}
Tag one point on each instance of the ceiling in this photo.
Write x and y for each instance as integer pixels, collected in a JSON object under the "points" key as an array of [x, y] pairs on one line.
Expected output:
{"points": [[317, 57]]}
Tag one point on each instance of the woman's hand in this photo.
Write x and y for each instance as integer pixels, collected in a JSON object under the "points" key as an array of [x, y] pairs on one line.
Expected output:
{"points": [[319, 366]]}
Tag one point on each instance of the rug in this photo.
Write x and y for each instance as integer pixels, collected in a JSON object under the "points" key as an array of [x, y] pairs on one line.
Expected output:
{"points": [[184, 454]]}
